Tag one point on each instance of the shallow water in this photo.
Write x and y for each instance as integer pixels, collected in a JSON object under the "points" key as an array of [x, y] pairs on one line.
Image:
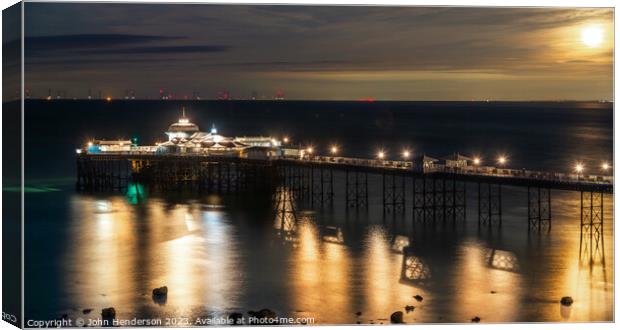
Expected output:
{"points": [[217, 256]]}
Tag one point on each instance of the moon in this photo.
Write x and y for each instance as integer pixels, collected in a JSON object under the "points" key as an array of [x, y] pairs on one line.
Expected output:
{"points": [[592, 36]]}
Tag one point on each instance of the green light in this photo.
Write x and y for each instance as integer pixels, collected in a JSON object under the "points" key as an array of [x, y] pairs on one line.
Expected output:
{"points": [[135, 193]]}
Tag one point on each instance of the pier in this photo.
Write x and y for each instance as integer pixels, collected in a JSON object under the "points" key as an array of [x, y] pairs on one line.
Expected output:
{"points": [[437, 193], [433, 189]]}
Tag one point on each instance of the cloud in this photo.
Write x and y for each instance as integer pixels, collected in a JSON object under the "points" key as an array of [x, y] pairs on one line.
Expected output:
{"points": [[40, 45], [161, 50]]}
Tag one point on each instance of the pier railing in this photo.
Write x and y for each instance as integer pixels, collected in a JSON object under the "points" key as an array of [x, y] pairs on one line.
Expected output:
{"points": [[464, 170], [510, 176]]}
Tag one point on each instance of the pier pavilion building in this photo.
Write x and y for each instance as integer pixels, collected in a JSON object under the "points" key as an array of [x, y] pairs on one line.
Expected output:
{"points": [[185, 137]]}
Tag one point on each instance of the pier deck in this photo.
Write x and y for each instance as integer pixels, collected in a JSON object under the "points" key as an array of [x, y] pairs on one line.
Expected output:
{"points": [[436, 193], [503, 176]]}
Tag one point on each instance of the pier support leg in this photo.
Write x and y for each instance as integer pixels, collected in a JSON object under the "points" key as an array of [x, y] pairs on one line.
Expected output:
{"points": [[591, 247], [489, 204], [538, 208], [439, 195], [286, 215], [393, 192], [424, 199], [459, 200], [322, 186], [356, 188]]}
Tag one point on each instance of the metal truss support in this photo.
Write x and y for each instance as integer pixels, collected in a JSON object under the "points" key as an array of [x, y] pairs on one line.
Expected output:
{"points": [[489, 204], [284, 208], [438, 199], [591, 243], [538, 209], [322, 185], [459, 200], [291, 178], [356, 188], [423, 199], [393, 192]]}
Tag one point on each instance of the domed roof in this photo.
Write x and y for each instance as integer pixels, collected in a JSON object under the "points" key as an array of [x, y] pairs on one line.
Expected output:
{"points": [[183, 125]]}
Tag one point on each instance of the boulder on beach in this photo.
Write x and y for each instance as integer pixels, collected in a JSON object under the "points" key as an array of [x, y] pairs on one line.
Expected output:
{"points": [[87, 310], [476, 319], [160, 292], [108, 313], [418, 297], [409, 308], [566, 301], [358, 313], [397, 317]]}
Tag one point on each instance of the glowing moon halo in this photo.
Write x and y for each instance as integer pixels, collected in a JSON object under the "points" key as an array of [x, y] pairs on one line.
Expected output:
{"points": [[592, 36]]}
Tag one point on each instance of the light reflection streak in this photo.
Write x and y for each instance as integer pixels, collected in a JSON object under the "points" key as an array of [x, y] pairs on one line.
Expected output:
{"points": [[480, 271], [221, 273], [320, 275], [381, 273], [120, 252]]}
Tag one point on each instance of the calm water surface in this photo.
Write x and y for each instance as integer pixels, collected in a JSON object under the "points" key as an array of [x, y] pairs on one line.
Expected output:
{"points": [[220, 254]]}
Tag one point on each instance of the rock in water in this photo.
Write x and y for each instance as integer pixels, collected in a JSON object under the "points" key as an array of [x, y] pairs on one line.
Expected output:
{"points": [[409, 308], [396, 317], [358, 313], [235, 318], [566, 301], [108, 313], [160, 292], [418, 297], [475, 319], [87, 310]]}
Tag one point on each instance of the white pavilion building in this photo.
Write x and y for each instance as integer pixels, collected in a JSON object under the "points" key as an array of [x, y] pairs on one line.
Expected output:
{"points": [[186, 137]]}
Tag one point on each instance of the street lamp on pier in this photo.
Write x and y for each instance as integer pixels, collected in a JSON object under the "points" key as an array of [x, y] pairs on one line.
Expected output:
{"points": [[309, 151], [477, 162], [502, 160], [579, 169], [605, 167]]}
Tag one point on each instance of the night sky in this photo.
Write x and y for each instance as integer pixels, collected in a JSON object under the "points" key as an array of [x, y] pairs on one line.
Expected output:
{"points": [[320, 53]]}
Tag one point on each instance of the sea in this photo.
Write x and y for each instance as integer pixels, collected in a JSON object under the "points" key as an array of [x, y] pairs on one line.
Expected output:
{"points": [[220, 254]]}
